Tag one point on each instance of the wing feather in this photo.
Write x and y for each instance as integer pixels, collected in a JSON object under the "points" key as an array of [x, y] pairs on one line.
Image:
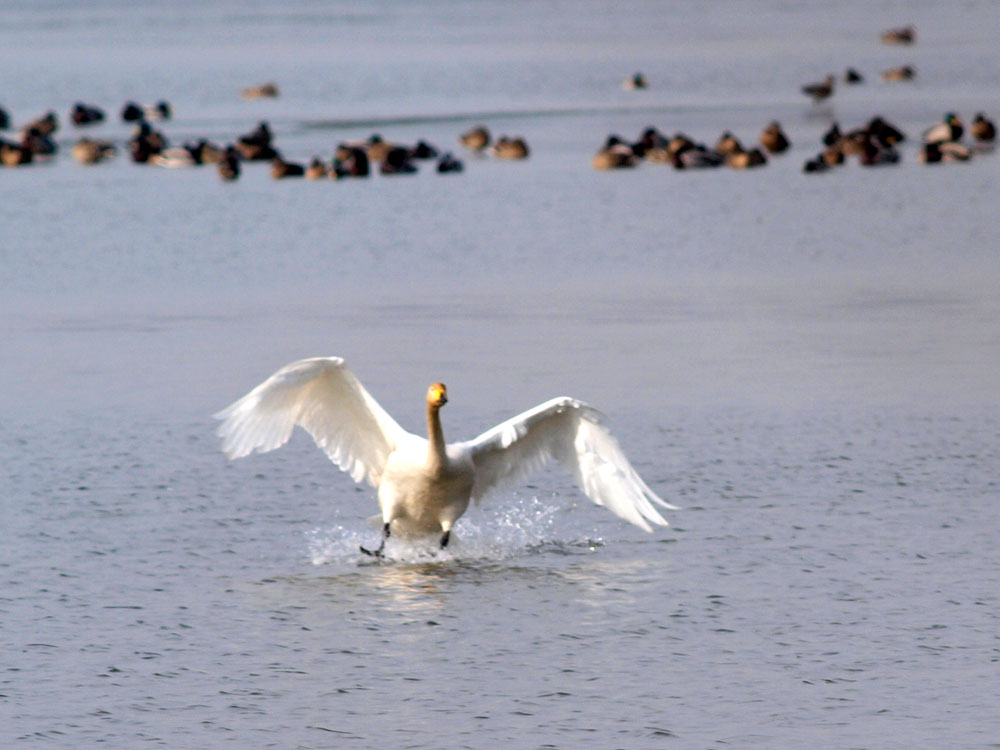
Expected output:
{"points": [[324, 398], [576, 435]]}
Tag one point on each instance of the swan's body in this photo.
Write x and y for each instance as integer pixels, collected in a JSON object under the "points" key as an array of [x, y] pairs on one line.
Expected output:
{"points": [[425, 485]]}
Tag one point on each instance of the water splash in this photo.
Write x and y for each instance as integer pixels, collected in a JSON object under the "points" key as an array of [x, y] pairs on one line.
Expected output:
{"points": [[525, 526]]}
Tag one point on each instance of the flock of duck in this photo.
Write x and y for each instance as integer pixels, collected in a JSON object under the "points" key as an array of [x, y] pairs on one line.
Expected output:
{"points": [[360, 158], [148, 145], [682, 152], [873, 144]]}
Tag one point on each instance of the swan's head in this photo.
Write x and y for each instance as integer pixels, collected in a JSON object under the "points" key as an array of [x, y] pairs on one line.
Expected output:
{"points": [[437, 395]]}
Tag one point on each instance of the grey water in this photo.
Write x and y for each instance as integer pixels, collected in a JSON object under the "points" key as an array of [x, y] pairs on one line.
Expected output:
{"points": [[806, 364]]}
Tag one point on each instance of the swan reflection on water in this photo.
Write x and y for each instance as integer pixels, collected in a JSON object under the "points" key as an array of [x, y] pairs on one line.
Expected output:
{"points": [[574, 571]]}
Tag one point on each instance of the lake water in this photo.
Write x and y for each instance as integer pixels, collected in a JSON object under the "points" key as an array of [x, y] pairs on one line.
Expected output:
{"points": [[807, 364]]}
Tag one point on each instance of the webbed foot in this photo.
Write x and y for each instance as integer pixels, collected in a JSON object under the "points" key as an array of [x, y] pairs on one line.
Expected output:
{"points": [[380, 552]]}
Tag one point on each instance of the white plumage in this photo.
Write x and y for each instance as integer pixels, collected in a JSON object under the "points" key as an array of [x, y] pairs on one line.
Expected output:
{"points": [[424, 485]]}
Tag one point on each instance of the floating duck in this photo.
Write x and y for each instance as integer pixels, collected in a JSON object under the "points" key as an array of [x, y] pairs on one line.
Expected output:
{"points": [[425, 484], [904, 35], [378, 148], [634, 82], [174, 158], [697, 157], [832, 135], [936, 152], [45, 125], [615, 154], [851, 76], [649, 139], [229, 164], [816, 165], [983, 129], [264, 91], [952, 151], [773, 138], [85, 114], [667, 153], [39, 143], [132, 112], [280, 169], [476, 139], [884, 132], [449, 164], [728, 144], [316, 169], [854, 142], [423, 150], [397, 161], [874, 155], [510, 148], [205, 152], [746, 159], [832, 156], [350, 161], [159, 111], [819, 91], [902, 73], [829, 157], [146, 143], [949, 129], [256, 145], [15, 154]]}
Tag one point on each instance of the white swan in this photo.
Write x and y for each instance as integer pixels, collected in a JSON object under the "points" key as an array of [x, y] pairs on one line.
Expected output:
{"points": [[424, 485]]}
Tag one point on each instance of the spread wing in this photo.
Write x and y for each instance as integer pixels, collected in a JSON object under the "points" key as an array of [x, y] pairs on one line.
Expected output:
{"points": [[324, 398], [575, 435]]}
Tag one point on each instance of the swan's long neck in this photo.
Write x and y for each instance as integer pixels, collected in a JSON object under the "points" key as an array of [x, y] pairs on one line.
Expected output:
{"points": [[435, 435]]}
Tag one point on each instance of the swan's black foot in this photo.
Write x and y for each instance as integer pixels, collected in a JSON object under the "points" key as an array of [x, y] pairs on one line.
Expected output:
{"points": [[381, 548], [445, 539]]}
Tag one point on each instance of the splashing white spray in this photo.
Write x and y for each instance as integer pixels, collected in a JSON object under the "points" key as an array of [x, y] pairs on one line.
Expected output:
{"points": [[522, 526]]}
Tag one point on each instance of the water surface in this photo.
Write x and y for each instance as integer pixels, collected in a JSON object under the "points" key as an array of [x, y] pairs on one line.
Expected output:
{"points": [[806, 365]]}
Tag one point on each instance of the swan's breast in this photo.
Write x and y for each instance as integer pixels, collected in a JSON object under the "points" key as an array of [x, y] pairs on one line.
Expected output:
{"points": [[423, 498]]}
